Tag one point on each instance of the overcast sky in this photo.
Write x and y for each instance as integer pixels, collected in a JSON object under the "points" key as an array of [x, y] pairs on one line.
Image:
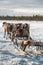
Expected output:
{"points": [[21, 7]]}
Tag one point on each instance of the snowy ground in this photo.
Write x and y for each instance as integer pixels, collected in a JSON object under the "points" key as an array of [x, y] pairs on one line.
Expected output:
{"points": [[9, 54]]}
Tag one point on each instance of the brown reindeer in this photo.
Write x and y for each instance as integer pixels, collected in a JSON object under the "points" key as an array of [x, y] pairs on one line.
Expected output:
{"points": [[9, 28], [6, 29], [23, 30], [26, 30], [24, 44]]}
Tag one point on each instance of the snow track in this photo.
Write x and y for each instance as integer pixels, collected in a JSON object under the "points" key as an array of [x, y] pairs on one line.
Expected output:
{"points": [[9, 55]]}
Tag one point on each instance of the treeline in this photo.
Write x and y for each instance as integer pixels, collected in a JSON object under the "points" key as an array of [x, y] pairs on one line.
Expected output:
{"points": [[37, 18]]}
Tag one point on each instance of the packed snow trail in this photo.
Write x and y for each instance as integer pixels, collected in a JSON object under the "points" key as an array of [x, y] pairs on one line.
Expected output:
{"points": [[9, 55]]}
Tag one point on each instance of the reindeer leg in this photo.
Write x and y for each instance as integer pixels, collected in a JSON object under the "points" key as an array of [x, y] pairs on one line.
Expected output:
{"points": [[11, 37], [24, 48], [4, 33], [16, 41]]}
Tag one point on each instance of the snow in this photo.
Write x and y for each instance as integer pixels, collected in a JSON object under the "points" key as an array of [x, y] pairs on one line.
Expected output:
{"points": [[9, 54]]}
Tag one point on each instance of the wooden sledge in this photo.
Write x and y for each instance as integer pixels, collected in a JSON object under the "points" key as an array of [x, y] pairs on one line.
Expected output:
{"points": [[25, 52]]}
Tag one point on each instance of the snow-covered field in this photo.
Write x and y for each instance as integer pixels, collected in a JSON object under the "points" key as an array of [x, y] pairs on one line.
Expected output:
{"points": [[9, 54]]}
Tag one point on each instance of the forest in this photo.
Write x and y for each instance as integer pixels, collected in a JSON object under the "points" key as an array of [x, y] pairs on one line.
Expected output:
{"points": [[36, 18]]}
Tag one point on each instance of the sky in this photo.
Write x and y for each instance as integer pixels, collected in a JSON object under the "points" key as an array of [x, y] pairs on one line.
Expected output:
{"points": [[21, 7]]}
